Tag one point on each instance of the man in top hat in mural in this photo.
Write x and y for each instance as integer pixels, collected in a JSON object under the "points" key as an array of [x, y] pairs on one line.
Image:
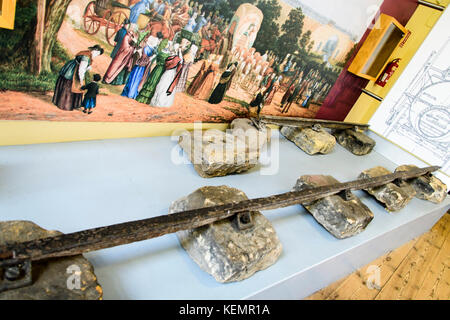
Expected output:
{"points": [[119, 37]]}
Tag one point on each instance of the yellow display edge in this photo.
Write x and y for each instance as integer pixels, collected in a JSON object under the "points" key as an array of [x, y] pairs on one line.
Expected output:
{"points": [[21, 132], [7, 14]]}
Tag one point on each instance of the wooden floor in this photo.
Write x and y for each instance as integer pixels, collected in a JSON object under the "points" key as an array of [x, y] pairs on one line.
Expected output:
{"points": [[418, 270]]}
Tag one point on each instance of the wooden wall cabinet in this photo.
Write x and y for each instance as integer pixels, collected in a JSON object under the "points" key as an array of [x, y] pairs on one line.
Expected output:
{"points": [[372, 57]]}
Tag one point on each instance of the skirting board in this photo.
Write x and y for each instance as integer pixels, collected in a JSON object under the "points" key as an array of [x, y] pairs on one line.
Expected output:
{"points": [[80, 185]]}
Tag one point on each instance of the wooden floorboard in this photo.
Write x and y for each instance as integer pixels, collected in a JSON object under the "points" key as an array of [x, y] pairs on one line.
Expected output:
{"points": [[420, 269]]}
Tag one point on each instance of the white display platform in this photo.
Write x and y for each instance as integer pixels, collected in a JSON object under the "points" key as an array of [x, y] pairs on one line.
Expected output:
{"points": [[80, 185]]}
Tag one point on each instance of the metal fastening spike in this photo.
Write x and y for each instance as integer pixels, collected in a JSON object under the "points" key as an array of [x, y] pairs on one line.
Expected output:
{"points": [[244, 220]]}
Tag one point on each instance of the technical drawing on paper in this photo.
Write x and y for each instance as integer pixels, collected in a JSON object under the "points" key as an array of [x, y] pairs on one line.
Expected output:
{"points": [[420, 119]]}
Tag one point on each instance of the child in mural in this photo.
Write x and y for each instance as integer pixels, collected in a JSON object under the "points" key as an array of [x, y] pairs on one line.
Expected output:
{"points": [[68, 93], [90, 97]]}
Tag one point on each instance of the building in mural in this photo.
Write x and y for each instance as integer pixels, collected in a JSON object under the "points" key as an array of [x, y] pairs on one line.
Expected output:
{"points": [[246, 23]]}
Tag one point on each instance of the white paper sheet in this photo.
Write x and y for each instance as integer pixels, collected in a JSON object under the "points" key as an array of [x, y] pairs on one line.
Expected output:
{"points": [[416, 113]]}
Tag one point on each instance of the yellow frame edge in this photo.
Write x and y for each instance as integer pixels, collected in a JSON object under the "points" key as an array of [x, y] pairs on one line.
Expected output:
{"points": [[20, 132], [8, 14]]}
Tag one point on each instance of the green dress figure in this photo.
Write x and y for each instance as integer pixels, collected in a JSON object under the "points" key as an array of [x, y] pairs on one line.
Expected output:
{"points": [[148, 90]]}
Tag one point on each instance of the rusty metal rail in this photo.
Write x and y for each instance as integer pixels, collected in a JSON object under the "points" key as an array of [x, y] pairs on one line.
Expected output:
{"points": [[306, 123], [15, 259]]}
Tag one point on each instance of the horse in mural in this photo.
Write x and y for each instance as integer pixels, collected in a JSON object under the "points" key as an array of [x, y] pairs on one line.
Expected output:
{"points": [[211, 43], [165, 27]]}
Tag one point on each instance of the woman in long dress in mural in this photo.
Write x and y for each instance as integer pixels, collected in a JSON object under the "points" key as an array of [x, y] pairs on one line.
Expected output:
{"points": [[195, 84], [188, 60], [68, 94], [224, 84], [148, 90], [148, 54], [272, 90], [122, 63], [164, 92], [204, 90]]}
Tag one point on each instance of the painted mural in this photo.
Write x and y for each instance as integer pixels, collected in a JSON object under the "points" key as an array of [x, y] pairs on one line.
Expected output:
{"points": [[175, 60]]}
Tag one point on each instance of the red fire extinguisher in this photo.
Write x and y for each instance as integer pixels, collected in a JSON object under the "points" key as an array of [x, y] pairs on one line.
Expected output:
{"points": [[388, 72]]}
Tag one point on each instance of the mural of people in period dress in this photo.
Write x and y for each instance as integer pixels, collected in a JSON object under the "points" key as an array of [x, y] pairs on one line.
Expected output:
{"points": [[200, 22], [226, 53], [248, 20], [68, 94]]}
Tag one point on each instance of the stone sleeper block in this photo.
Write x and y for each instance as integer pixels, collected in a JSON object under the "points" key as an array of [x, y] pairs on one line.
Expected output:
{"points": [[220, 248], [50, 277], [356, 142], [309, 140], [427, 187], [342, 217], [215, 153], [392, 196]]}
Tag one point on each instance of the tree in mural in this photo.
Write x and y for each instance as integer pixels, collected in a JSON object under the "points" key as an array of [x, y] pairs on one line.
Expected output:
{"points": [[305, 40], [225, 8], [266, 39], [292, 30], [22, 43], [310, 46], [234, 4], [53, 17]]}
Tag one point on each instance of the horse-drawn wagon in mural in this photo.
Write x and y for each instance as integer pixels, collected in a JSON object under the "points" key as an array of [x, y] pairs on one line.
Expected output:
{"points": [[108, 14], [111, 15]]}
